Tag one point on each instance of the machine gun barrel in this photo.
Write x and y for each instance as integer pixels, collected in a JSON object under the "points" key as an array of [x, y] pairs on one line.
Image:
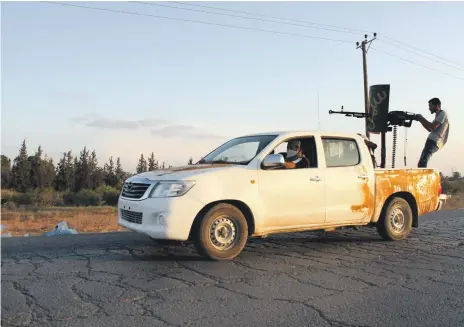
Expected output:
{"points": [[350, 113]]}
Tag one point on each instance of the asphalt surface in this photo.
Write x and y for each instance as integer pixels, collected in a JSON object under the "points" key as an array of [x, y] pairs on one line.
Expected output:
{"points": [[346, 278]]}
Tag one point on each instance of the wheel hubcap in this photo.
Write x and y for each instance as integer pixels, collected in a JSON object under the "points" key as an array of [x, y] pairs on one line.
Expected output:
{"points": [[397, 220], [223, 233]]}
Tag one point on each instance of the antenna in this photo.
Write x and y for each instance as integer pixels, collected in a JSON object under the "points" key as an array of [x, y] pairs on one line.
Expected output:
{"points": [[318, 119]]}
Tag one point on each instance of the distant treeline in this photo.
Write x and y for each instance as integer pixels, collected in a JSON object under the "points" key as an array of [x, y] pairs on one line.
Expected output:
{"points": [[35, 180], [453, 184]]}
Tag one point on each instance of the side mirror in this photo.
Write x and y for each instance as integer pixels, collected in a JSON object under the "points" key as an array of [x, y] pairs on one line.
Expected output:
{"points": [[273, 161]]}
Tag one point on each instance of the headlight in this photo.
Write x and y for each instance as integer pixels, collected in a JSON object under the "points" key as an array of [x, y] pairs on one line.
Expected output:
{"points": [[166, 189]]}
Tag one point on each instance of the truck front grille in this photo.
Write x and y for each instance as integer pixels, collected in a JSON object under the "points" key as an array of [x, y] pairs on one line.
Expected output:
{"points": [[134, 190], [132, 216]]}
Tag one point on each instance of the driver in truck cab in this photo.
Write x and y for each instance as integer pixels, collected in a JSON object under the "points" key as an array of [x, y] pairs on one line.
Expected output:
{"points": [[295, 157]]}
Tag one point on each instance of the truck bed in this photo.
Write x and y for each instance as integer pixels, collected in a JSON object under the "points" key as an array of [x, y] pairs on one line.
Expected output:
{"points": [[423, 184]]}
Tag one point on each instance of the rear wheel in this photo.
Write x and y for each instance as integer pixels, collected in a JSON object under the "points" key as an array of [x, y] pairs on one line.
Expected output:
{"points": [[222, 233], [395, 222]]}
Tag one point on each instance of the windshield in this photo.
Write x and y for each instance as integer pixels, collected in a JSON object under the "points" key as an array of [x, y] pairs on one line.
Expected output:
{"points": [[240, 150]]}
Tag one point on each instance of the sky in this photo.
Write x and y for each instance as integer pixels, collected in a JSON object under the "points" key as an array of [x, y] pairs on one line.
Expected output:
{"points": [[126, 84]]}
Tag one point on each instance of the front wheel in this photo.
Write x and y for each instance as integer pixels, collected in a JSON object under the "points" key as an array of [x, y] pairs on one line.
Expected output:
{"points": [[395, 222], [222, 233]]}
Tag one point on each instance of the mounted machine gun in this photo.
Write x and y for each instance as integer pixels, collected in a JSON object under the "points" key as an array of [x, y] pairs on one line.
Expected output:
{"points": [[380, 120]]}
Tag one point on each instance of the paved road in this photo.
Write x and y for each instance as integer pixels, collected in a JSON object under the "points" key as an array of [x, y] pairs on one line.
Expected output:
{"points": [[348, 278]]}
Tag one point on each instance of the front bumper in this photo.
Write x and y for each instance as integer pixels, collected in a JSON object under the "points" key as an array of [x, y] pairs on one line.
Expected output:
{"points": [[442, 201], [159, 218]]}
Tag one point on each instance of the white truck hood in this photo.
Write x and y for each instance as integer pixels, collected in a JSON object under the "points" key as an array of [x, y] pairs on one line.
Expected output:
{"points": [[183, 172]]}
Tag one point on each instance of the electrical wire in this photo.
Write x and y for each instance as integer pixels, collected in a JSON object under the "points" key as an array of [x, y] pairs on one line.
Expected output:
{"points": [[244, 17], [267, 16], [419, 54], [197, 21], [244, 28], [415, 63], [418, 49], [312, 23]]}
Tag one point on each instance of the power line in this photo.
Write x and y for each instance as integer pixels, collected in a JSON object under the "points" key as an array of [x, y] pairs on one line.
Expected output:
{"points": [[244, 17], [421, 55], [312, 23], [267, 16], [240, 27], [197, 22], [415, 63], [429, 53]]}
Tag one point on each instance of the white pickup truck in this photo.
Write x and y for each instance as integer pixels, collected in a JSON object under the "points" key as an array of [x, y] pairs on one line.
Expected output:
{"points": [[244, 188]]}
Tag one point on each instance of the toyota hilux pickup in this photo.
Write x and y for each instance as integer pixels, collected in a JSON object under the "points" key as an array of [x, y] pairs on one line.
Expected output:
{"points": [[244, 188]]}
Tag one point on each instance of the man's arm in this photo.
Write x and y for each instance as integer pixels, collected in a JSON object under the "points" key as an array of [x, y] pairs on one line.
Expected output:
{"points": [[290, 164], [429, 126]]}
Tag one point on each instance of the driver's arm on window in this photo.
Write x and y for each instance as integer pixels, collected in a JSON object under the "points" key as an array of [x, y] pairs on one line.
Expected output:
{"points": [[290, 164]]}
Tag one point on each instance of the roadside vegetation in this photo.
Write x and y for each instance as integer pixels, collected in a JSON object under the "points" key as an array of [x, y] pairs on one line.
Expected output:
{"points": [[36, 194], [33, 180]]}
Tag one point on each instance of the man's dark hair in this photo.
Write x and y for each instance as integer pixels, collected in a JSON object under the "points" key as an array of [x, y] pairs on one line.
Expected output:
{"points": [[435, 101]]}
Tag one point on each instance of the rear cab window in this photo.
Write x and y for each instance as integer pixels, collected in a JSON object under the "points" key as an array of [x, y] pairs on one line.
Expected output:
{"points": [[341, 152]]}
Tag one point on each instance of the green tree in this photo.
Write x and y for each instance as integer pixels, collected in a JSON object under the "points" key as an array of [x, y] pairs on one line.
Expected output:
{"points": [[6, 172], [64, 178], [36, 173], [190, 162], [49, 172], [456, 176], [82, 172], [21, 170], [120, 175], [142, 165], [152, 163], [110, 174]]}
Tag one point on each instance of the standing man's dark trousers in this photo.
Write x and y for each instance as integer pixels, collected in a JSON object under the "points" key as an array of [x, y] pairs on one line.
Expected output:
{"points": [[429, 149]]}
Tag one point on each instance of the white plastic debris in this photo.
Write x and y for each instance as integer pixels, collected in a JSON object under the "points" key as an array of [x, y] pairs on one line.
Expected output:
{"points": [[61, 229], [26, 235], [7, 235]]}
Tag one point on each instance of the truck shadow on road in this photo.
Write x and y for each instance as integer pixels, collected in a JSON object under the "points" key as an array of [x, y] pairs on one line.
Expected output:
{"points": [[135, 247]]}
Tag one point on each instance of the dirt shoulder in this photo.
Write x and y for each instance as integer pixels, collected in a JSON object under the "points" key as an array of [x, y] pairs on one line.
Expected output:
{"points": [[456, 202], [37, 221]]}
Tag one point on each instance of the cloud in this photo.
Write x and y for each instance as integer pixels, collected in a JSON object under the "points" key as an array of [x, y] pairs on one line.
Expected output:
{"points": [[159, 127], [97, 121], [174, 130]]}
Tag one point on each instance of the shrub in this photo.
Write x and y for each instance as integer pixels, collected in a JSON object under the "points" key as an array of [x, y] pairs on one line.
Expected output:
{"points": [[109, 195], [29, 198], [453, 187], [48, 197], [9, 196], [83, 198], [9, 205]]}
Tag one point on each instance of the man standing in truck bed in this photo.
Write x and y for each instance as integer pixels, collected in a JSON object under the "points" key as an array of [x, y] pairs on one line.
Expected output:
{"points": [[438, 128]]}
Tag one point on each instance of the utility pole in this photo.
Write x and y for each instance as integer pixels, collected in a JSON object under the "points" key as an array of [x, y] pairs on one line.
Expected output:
{"points": [[366, 91]]}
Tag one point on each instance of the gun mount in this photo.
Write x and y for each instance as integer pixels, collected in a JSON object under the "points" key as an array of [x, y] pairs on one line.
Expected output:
{"points": [[380, 120]]}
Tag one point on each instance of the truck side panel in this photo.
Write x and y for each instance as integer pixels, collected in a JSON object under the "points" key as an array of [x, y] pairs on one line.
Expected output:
{"points": [[422, 184]]}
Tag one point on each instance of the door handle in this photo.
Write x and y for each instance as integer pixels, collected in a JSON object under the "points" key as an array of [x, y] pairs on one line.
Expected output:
{"points": [[315, 179], [363, 176]]}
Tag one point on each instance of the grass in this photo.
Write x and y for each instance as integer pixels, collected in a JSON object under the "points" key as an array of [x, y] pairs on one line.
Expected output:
{"points": [[36, 221]]}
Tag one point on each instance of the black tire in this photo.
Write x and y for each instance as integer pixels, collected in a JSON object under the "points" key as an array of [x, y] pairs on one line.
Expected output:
{"points": [[221, 218], [395, 222]]}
